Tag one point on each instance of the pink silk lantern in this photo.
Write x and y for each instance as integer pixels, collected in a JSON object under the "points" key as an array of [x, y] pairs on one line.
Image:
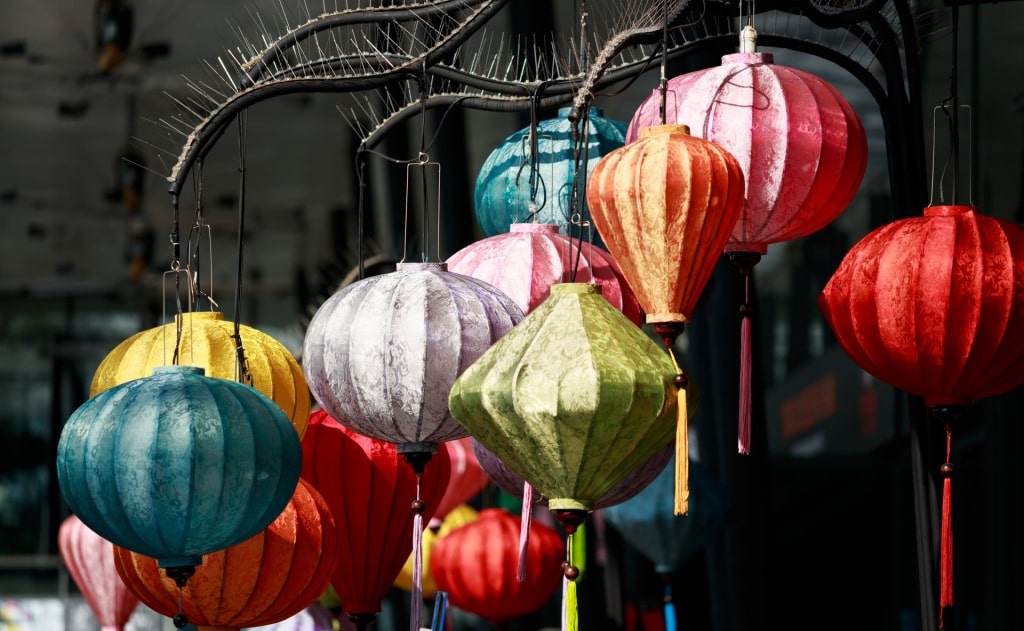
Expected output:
{"points": [[932, 305], [90, 561], [524, 262], [800, 144], [466, 481]]}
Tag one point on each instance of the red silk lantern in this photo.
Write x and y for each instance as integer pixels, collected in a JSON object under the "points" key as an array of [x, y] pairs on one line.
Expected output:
{"points": [[467, 478], [800, 144], [931, 305], [265, 579], [526, 261], [665, 205], [476, 564], [90, 561], [371, 490]]}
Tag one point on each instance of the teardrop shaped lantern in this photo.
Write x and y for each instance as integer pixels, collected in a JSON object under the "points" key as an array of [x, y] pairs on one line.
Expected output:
{"points": [[508, 191], [381, 354], [800, 144], [512, 483], [932, 305], [475, 565], [178, 465], [666, 204], [89, 559], [207, 341], [572, 399], [265, 579], [373, 495], [526, 261]]}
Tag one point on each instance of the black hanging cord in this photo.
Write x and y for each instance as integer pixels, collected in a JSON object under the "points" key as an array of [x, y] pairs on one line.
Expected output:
{"points": [[361, 212], [425, 216], [176, 269], [954, 103], [243, 367], [663, 80]]}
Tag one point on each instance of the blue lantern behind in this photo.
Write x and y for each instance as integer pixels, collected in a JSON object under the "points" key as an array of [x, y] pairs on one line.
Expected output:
{"points": [[647, 521], [505, 192], [178, 465]]}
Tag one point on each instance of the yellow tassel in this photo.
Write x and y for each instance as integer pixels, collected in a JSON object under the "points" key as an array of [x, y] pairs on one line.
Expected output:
{"points": [[682, 503], [682, 497], [572, 613]]}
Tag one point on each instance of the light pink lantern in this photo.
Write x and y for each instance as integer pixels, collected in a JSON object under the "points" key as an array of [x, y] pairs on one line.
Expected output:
{"points": [[90, 561], [524, 263], [800, 145]]}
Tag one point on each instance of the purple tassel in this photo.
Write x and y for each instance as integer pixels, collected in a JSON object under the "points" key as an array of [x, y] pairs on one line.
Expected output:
{"points": [[416, 617], [524, 530]]}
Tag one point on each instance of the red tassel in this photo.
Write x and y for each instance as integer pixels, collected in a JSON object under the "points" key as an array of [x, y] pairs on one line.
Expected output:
{"points": [[746, 360], [946, 548], [524, 530]]}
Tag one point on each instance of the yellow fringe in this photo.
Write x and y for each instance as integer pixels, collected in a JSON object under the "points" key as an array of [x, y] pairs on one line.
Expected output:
{"points": [[682, 469]]}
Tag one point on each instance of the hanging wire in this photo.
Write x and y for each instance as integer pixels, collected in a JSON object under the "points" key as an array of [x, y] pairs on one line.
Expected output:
{"points": [[950, 107], [176, 271], [196, 291], [242, 368], [663, 79]]}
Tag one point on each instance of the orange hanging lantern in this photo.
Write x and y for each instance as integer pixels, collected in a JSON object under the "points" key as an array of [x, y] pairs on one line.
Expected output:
{"points": [[666, 205], [265, 579]]}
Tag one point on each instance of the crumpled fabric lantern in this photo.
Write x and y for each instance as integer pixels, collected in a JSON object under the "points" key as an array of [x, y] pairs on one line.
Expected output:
{"points": [[371, 492], [508, 191], [573, 398], [511, 482], [932, 305], [89, 559], [474, 564], [467, 479], [381, 354], [526, 261], [265, 579], [178, 465], [206, 341], [456, 518], [666, 204], [800, 144]]}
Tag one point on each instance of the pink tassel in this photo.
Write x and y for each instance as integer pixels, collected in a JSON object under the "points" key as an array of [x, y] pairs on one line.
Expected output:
{"points": [[946, 544], [416, 617], [746, 361], [524, 530]]}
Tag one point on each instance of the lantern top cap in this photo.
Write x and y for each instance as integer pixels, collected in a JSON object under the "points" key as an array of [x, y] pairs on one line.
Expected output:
{"points": [[564, 289], [564, 112], [417, 266], [178, 369], [659, 130], [200, 315], [747, 59], [748, 39], [948, 211], [543, 228]]}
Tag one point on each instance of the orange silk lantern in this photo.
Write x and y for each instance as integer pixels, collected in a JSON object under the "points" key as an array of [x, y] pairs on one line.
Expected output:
{"points": [[666, 205], [265, 579]]}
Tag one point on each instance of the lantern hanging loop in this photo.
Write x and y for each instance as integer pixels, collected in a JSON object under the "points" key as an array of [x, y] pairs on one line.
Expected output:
{"points": [[195, 240], [944, 108], [950, 106], [243, 374], [423, 163]]}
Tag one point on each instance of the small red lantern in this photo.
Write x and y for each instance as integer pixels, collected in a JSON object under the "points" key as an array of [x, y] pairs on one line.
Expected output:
{"points": [[476, 565], [932, 306], [265, 579], [467, 477], [374, 494]]}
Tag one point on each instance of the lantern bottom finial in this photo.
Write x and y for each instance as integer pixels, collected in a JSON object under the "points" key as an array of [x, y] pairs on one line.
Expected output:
{"points": [[570, 518], [417, 459], [361, 620]]}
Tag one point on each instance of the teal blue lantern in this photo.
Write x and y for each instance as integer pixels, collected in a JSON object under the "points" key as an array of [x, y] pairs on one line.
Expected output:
{"points": [[177, 465], [530, 180]]}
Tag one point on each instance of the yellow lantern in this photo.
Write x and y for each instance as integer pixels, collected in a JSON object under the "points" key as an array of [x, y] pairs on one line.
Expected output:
{"points": [[207, 341]]}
